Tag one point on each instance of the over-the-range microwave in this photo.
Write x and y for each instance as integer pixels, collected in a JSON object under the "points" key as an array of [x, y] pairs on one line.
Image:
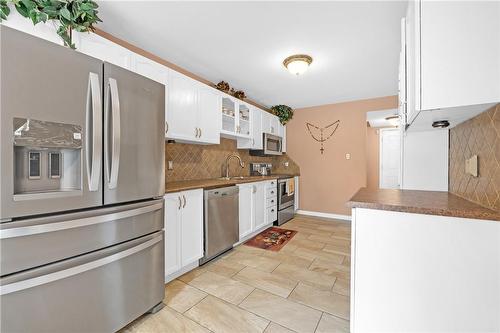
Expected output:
{"points": [[271, 145]]}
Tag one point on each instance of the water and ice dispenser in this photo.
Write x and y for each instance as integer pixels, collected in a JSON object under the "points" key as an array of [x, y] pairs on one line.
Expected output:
{"points": [[47, 157]]}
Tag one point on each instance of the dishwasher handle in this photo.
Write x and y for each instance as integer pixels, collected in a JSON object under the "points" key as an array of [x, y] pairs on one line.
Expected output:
{"points": [[221, 192]]}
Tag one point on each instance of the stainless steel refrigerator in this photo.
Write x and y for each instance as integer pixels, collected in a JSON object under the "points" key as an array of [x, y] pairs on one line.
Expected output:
{"points": [[82, 181]]}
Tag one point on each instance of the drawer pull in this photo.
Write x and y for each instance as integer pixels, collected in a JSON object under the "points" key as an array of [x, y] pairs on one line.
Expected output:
{"points": [[82, 222], [39, 280]]}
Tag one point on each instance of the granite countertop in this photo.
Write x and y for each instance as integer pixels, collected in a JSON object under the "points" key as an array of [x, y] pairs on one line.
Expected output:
{"points": [[421, 202], [212, 183]]}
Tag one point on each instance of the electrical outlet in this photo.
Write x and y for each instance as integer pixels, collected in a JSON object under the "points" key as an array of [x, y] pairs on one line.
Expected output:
{"points": [[170, 165], [347, 156], [286, 164]]}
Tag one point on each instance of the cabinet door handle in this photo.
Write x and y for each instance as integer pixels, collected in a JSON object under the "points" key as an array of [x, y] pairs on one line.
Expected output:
{"points": [[196, 132], [180, 202], [200, 132], [253, 142], [184, 205], [166, 127]]}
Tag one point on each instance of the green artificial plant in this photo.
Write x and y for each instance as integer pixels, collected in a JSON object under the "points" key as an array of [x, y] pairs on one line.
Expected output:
{"points": [[78, 15], [284, 112]]}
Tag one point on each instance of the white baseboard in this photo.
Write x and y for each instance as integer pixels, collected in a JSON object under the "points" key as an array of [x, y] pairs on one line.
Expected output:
{"points": [[324, 215], [181, 271]]}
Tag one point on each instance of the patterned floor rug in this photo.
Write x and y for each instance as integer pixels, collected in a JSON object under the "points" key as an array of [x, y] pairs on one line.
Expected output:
{"points": [[272, 239]]}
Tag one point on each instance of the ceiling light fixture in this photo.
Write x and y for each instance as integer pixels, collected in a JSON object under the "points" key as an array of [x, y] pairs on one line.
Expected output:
{"points": [[298, 63], [393, 120]]}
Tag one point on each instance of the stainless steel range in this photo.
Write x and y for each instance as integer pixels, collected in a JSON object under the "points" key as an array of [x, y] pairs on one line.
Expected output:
{"points": [[286, 199], [82, 181]]}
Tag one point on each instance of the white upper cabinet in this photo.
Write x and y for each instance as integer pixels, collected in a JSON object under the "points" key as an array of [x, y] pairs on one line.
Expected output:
{"points": [[192, 110], [270, 123], [209, 117], [460, 53], [47, 31], [452, 59], [236, 117], [150, 69], [182, 107], [255, 140], [104, 49]]}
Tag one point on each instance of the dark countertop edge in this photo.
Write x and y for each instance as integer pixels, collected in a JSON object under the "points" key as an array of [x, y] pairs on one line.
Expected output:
{"points": [[427, 211], [223, 183], [479, 213]]}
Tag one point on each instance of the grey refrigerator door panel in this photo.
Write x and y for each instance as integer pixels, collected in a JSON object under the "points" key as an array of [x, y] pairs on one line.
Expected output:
{"points": [[98, 292], [39, 241], [134, 136], [49, 84]]}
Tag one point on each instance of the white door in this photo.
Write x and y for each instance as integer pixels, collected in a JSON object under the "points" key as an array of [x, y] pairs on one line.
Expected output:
{"points": [[245, 210], [259, 206], [173, 205], [390, 158], [191, 226], [209, 115], [182, 108]]}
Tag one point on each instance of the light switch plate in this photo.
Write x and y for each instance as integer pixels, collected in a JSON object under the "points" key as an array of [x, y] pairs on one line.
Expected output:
{"points": [[471, 166], [347, 156], [170, 165]]}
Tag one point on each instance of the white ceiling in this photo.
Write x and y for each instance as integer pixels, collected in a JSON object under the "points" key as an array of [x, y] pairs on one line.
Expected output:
{"points": [[355, 44]]}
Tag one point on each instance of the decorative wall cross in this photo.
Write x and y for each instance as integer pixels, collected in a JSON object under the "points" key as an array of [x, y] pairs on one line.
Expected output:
{"points": [[322, 133]]}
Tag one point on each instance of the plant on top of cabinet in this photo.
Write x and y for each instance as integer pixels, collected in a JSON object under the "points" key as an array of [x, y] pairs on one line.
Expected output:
{"points": [[284, 112], [78, 15]]}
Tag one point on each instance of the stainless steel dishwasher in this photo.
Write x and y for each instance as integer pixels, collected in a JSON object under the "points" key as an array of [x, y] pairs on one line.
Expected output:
{"points": [[221, 221]]}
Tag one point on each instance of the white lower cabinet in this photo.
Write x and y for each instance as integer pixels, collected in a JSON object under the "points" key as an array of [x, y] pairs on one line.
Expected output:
{"points": [[183, 230], [254, 207]]}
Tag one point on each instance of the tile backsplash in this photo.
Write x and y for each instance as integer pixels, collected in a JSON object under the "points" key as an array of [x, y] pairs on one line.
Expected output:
{"points": [[478, 136], [208, 161]]}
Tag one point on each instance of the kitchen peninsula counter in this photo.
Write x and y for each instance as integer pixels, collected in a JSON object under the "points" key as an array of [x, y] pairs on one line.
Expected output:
{"points": [[421, 202], [433, 252], [184, 185]]}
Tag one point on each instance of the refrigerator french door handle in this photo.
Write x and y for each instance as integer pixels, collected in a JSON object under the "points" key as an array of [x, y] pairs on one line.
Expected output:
{"points": [[112, 157], [59, 275], [76, 223], [93, 140]]}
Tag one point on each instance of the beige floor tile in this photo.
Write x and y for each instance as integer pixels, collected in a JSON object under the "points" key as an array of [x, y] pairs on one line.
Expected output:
{"points": [[275, 328], [330, 240], [289, 314], [248, 249], [180, 296], [320, 280], [307, 244], [337, 249], [313, 254], [223, 317], [272, 283], [332, 324], [166, 320], [289, 258], [330, 268], [189, 276], [265, 264], [323, 300], [222, 287], [342, 286], [225, 268]]}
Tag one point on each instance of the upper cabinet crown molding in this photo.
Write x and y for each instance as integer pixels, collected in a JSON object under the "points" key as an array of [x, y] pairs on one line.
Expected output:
{"points": [[452, 60]]}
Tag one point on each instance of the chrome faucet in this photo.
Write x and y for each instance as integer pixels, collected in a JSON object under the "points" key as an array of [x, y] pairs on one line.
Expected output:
{"points": [[242, 164]]}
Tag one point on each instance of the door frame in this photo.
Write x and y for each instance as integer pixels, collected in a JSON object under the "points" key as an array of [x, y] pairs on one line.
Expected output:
{"points": [[380, 151]]}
